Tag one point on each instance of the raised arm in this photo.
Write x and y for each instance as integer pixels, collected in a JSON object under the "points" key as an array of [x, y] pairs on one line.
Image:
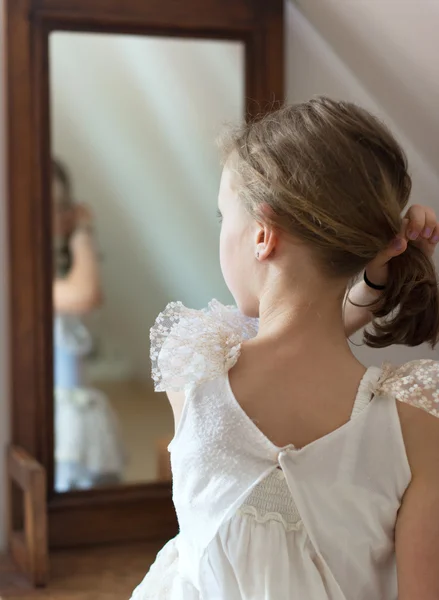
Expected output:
{"points": [[419, 227], [79, 292]]}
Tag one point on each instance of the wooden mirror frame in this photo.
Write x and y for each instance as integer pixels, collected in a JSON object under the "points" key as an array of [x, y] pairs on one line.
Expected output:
{"points": [[127, 512]]}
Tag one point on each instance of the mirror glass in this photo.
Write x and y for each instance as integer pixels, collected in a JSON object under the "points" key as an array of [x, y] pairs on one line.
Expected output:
{"points": [[135, 174]]}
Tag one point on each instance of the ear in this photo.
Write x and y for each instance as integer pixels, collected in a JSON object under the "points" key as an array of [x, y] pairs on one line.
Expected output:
{"points": [[266, 242]]}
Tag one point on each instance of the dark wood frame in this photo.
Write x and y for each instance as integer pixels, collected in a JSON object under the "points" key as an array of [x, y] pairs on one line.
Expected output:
{"points": [[28, 546], [131, 512]]}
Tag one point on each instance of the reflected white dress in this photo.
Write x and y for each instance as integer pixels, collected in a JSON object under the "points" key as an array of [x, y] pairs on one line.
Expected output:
{"points": [[259, 522], [89, 450]]}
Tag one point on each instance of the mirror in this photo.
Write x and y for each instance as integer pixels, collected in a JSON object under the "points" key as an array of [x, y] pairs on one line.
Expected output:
{"points": [[135, 176]]}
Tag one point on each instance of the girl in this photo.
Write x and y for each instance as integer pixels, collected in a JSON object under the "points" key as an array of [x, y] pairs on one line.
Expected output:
{"points": [[88, 447], [298, 473]]}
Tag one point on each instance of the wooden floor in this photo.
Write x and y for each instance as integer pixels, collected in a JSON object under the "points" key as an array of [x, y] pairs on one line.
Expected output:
{"points": [[107, 573]]}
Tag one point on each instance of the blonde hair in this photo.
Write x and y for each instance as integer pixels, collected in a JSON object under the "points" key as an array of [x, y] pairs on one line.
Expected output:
{"points": [[332, 175]]}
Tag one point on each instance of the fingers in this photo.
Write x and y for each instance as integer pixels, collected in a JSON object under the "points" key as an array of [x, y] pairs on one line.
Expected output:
{"points": [[429, 246], [395, 248], [430, 224], [420, 226], [434, 239], [421, 222]]}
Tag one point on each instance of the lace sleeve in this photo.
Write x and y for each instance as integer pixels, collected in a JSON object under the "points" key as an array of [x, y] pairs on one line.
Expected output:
{"points": [[190, 346], [415, 383]]}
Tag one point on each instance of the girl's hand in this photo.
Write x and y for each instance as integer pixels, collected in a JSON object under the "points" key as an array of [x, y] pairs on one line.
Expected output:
{"points": [[420, 227]]}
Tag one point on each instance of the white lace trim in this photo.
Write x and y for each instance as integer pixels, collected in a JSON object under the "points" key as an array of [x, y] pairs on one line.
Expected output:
{"points": [[415, 383], [191, 346], [271, 500], [252, 511]]}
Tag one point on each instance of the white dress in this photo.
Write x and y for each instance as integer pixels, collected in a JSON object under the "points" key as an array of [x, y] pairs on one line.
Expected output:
{"points": [[259, 522], [89, 449]]}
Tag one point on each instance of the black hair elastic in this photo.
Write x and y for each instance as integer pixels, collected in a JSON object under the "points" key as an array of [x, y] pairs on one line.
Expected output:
{"points": [[374, 286]]}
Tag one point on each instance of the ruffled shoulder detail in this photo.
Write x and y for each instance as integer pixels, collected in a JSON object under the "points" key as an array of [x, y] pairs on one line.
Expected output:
{"points": [[191, 346], [415, 383]]}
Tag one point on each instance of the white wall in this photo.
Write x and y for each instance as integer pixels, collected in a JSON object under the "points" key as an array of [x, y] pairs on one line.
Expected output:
{"points": [[384, 58], [138, 139], [380, 54], [4, 398]]}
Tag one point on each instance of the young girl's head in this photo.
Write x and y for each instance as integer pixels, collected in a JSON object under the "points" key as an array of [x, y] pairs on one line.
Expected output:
{"points": [[309, 195]]}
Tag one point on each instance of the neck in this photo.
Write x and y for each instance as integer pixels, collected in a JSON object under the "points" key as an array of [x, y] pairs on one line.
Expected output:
{"points": [[305, 316]]}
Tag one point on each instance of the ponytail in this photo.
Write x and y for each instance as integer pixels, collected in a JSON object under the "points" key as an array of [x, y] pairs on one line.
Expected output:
{"points": [[408, 310]]}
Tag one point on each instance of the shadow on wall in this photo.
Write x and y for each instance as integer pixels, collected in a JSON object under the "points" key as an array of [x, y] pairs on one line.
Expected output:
{"points": [[139, 145], [365, 53], [393, 54]]}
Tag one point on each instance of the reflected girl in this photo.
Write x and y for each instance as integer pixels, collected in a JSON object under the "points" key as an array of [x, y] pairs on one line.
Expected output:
{"points": [[88, 447]]}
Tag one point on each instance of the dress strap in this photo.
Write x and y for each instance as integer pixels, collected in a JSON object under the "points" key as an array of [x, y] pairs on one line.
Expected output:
{"points": [[366, 390]]}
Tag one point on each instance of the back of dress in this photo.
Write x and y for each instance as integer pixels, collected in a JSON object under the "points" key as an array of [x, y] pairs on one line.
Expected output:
{"points": [[262, 522]]}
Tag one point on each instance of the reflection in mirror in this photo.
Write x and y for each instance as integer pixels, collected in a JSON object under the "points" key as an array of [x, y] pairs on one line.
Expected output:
{"points": [[135, 175]]}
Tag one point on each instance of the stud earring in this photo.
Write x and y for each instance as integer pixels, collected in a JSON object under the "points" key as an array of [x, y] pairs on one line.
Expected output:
{"points": [[257, 254]]}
